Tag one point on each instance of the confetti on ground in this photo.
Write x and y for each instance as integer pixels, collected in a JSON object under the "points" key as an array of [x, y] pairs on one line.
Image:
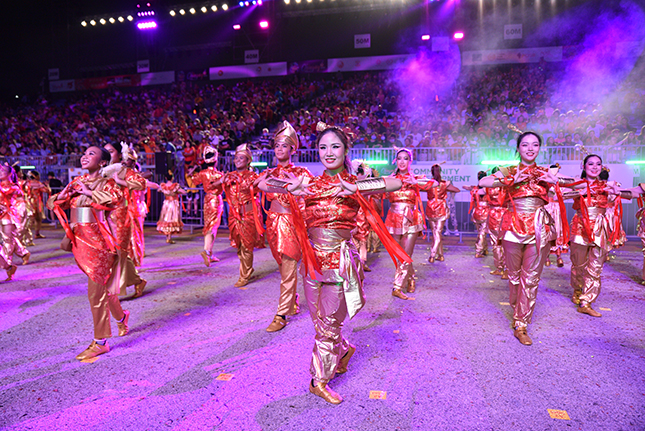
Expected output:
{"points": [[492, 281], [396, 331], [605, 309], [224, 377], [90, 360], [378, 395], [412, 299], [558, 414], [172, 282], [504, 303], [242, 288], [486, 266], [187, 314]]}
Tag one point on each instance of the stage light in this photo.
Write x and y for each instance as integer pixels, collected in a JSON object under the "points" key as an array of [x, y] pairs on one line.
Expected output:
{"points": [[224, 6], [214, 8], [192, 10], [102, 21], [425, 37], [246, 3], [204, 10], [93, 22], [287, 1], [459, 35], [121, 19], [260, 2], [254, 164], [309, 1], [146, 25], [83, 23], [112, 20], [298, 1], [241, 4], [172, 13], [130, 18], [264, 24], [254, 2], [236, 27], [182, 12], [635, 162], [499, 162]]}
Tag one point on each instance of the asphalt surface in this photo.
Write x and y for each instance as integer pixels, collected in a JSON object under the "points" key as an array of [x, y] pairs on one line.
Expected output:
{"points": [[198, 356]]}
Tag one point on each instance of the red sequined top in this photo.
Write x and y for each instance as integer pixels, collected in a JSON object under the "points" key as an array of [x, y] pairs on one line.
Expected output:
{"points": [[208, 177], [238, 188], [599, 197], [532, 186], [408, 192], [323, 210]]}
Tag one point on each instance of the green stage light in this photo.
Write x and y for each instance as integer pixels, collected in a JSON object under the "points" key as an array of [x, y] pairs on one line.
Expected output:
{"points": [[499, 162], [28, 167], [258, 163], [635, 162]]}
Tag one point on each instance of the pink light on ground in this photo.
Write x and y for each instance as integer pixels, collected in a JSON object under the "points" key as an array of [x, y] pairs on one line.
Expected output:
{"points": [[264, 24], [146, 25], [425, 37], [458, 35], [237, 27]]}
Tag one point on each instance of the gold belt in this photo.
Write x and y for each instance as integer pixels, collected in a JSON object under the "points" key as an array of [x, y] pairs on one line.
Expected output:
{"points": [[86, 215], [528, 204]]}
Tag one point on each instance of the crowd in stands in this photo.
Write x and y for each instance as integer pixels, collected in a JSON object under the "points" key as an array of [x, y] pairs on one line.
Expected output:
{"points": [[474, 113]]}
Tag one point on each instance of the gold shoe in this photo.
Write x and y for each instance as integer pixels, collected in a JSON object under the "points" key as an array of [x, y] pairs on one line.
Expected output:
{"points": [[479, 255], [431, 259], [398, 294], [138, 289], [412, 285], [366, 268], [560, 262], [10, 272], [296, 306], [25, 258], [214, 259], [576, 296], [123, 326], [504, 275], [440, 259], [325, 393], [586, 309], [206, 257], [241, 282], [93, 350], [278, 324], [31, 244], [38, 235], [342, 365], [520, 334], [169, 241], [496, 272], [547, 262]]}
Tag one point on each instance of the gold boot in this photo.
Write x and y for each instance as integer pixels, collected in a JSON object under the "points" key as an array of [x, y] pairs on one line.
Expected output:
{"points": [[342, 365], [325, 392]]}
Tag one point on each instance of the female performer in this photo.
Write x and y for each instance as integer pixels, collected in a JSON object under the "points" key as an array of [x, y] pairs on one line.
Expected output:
{"points": [[12, 217], [35, 197], [330, 215], [244, 223], [437, 212], [94, 248], [479, 207], [405, 218], [170, 217], [495, 197], [527, 230], [593, 233], [211, 178], [123, 158], [553, 208], [280, 229]]}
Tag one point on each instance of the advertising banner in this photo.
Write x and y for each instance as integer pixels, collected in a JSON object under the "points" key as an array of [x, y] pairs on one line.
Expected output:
{"points": [[355, 64], [308, 66], [62, 85], [158, 78], [514, 56], [513, 31], [108, 81], [252, 56], [362, 41], [143, 66], [247, 71]]}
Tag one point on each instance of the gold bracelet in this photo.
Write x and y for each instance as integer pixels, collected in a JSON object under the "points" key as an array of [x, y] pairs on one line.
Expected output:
{"points": [[275, 185], [371, 185]]}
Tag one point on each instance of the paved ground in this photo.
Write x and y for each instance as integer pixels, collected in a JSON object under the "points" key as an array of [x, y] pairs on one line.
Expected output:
{"points": [[446, 361]]}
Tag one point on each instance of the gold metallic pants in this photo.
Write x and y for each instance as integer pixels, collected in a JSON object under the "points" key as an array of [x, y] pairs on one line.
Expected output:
{"points": [[373, 241], [586, 267], [288, 285], [328, 311], [525, 263], [643, 270], [11, 243], [128, 274], [498, 251], [102, 304], [437, 225], [405, 271], [480, 245], [246, 262]]}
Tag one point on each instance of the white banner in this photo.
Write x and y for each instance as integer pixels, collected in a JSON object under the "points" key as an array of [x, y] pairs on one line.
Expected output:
{"points": [[248, 71], [158, 78], [362, 41], [353, 64], [252, 56], [513, 31], [143, 66], [53, 74], [62, 85], [521, 55]]}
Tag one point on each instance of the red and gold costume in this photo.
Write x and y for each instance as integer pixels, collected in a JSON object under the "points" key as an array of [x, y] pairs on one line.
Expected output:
{"points": [[93, 246], [527, 233], [12, 218], [404, 221], [281, 235], [594, 232], [138, 212], [121, 223], [35, 190], [480, 206], [338, 291], [170, 217], [437, 213], [640, 230], [495, 198], [553, 208], [213, 203], [24, 228], [245, 227]]}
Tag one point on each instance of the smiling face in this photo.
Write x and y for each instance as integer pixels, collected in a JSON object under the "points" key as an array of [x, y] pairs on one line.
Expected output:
{"points": [[593, 167], [241, 161], [332, 151], [403, 162], [282, 151], [529, 148], [116, 156], [92, 159]]}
